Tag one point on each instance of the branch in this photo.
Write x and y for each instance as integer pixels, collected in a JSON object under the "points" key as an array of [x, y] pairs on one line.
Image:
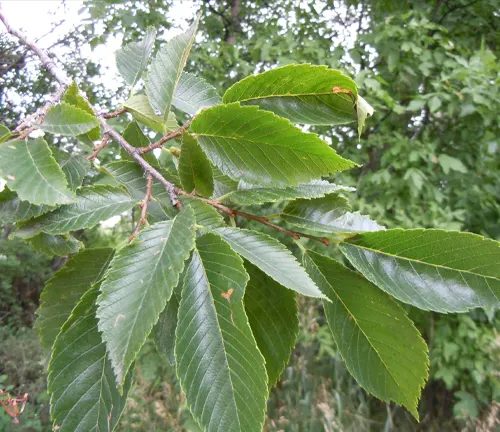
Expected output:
{"points": [[115, 114], [64, 80], [261, 219], [144, 207], [151, 172], [165, 138], [99, 147]]}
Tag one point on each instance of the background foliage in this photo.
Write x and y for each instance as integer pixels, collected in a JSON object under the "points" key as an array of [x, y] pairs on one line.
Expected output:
{"points": [[430, 158]]}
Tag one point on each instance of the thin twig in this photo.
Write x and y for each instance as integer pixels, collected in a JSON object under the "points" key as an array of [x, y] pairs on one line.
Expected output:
{"points": [[165, 138], [64, 80], [144, 207], [30, 121], [99, 147], [115, 114], [261, 219]]}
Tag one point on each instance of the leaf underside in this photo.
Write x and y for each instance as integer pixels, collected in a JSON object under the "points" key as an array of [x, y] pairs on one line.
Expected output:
{"points": [[68, 120], [303, 93], [193, 93], [166, 69], [380, 345], [55, 245]]}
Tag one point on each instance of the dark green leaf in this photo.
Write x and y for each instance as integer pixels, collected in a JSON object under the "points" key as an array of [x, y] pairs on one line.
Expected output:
{"points": [[69, 120], [380, 345], [131, 60], [83, 395], [93, 204], [166, 69], [193, 93], [270, 256], [443, 271], [63, 291], [55, 245], [31, 171], [272, 313], [206, 216], [138, 285], [75, 167], [219, 365], [302, 93], [195, 171], [12, 209], [131, 175], [134, 135], [329, 214], [260, 148]]}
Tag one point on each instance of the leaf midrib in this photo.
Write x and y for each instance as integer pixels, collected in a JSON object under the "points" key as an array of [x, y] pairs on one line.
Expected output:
{"points": [[360, 328], [398, 257]]}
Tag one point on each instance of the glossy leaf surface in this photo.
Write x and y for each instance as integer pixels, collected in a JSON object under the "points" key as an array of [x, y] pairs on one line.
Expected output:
{"points": [[260, 148], [443, 271]]}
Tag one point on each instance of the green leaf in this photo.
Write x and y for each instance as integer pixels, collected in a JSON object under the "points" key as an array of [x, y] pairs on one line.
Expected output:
{"points": [[164, 330], [72, 97], [58, 245], [166, 69], [193, 94], [75, 167], [131, 60], [131, 175], [443, 271], [363, 111], [380, 345], [261, 148], [449, 163], [93, 204], [270, 256], [223, 184], [219, 365], [329, 214], [65, 288], [31, 171], [206, 216], [249, 195], [195, 171], [65, 119], [12, 209], [138, 285], [83, 396], [134, 135], [272, 313], [302, 93], [5, 133], [138, 105]]}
